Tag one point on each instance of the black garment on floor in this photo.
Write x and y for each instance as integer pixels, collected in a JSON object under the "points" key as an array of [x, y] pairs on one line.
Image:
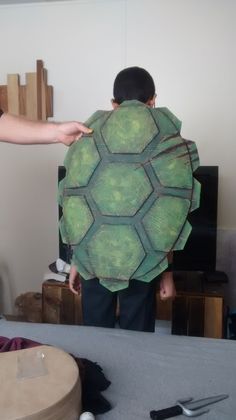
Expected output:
{"points": [[137, 305], [93, 383]]}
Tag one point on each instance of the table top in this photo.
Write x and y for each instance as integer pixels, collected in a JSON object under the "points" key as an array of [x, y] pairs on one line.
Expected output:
{"points": [[148, 371]]}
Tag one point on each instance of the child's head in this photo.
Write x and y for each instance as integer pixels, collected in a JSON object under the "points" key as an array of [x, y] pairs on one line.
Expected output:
{"points": [[134, 83]]}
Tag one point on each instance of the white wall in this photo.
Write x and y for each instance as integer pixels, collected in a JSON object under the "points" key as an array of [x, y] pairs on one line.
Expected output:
{"points": [[189, 48]]}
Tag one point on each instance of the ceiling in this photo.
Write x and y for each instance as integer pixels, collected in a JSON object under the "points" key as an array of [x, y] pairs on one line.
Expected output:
{"points": [[4, 2]]}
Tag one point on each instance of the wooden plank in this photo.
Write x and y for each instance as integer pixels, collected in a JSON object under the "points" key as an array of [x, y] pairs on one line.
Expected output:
{"points": [[180, 316], [163, 308], [198, 315], [195, 316], [39, 65], [44, 92], [67, 306], [31, 96], [78, 318], [49, 102], [3, 98], [213, 316], [22, 100], [59, 304], [13, 94], [51, 302], [35, 100]]}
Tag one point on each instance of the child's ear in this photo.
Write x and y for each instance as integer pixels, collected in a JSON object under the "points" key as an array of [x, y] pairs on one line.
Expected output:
{"points": [[114, 104], [152, 101]]}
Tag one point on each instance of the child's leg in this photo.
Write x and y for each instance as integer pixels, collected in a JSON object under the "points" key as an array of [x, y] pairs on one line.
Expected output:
{"points": [[98, 304], [138, 306]]}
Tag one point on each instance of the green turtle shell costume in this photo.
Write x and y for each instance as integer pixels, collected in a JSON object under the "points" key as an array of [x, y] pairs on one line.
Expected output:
{"points": [[128, 190]]}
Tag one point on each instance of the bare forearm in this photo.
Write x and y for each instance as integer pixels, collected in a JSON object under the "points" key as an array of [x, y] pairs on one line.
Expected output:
{"points": [[20, 130]]}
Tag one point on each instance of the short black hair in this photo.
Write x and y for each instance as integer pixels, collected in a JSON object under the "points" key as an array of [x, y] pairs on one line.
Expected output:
{"points": [[133, 83]]}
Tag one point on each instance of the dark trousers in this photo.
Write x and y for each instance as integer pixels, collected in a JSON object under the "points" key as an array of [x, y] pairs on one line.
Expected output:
{"points": [[137, 305]]}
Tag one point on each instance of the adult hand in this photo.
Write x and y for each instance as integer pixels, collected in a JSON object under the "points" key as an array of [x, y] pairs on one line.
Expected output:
{"points": [[68, 132], [20, 130]]}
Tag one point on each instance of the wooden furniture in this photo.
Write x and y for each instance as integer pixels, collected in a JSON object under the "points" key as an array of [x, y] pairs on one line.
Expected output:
{"points": [[194, 314], [163, 309], [59, 304], [191, 313], [198, 314], [33, 100]]}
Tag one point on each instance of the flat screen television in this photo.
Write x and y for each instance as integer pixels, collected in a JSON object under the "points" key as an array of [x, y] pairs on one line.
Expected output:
{"points": [[199, 253]]}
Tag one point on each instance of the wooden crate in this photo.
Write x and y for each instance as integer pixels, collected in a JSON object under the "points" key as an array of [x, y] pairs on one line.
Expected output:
{"points": [[198, 314], [163, 308], [60, 305]]}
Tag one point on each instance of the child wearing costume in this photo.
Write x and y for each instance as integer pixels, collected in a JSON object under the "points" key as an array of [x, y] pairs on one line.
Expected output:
{"points": [[127, 192]]}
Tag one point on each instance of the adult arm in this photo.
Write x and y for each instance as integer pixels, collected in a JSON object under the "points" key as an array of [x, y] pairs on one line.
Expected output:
{"points": [[19, 130]]}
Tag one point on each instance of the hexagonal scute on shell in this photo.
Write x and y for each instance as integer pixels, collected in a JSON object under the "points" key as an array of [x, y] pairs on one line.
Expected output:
{"points": [[172, 163], [121, 188], [115, 252], [164, 221], [152, 265], [129, 129], [77, 219], [81, 161]]}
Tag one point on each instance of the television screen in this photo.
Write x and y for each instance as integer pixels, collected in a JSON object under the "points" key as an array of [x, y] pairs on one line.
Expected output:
{"points": [[199, 253], [64, 250]]}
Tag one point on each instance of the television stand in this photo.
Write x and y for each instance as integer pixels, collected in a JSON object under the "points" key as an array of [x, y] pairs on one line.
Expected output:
{"points": [[198, 309]]}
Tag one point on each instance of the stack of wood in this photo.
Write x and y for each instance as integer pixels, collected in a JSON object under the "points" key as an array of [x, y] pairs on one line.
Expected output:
{"points": [[32, 100]]}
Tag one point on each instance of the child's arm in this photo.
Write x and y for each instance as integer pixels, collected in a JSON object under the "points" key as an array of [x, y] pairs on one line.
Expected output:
{"points": [[167, 285], [74, 282]]}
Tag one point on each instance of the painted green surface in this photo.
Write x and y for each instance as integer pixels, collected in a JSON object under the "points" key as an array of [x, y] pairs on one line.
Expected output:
{"points": [[129, 131], [74, 227], [81, 162], [115, 251], [128, 190], [121, 189], [164, 221]]}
